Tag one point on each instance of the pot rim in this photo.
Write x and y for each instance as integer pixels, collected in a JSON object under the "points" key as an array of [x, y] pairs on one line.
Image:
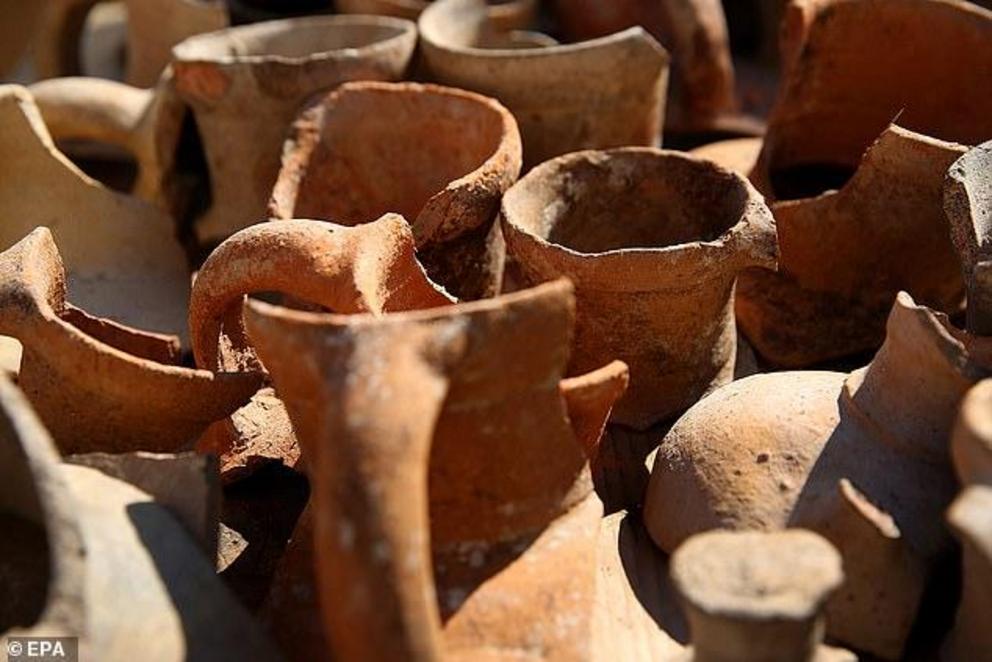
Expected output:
{"points": [[719, 243], [190, 50]]}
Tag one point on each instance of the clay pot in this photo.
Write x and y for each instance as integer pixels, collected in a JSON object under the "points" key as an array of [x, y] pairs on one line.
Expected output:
{"points": [[757, 596], [269, 68], [121, 254], [702, 92], [852, 68], [505, 15], [436, 511], [443, 159], [971, 443], [81, 543], [845, 254], [98, 385], [606, 92], [370, 268], [21, 20], [655, 291], [153, 28], [860, 458]]}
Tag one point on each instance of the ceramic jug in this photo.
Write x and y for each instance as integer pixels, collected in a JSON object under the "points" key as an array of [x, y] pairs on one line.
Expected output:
{"points": [[270, 68], [442, 159], [80, 543], [510, 504], [653, 241], [606, 92], [99, 385], [702, 98], [758, 596], [845, 254]]}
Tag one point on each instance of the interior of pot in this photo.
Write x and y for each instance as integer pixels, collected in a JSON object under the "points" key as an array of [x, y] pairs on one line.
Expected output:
{"points": [[594, 202], [24, 549], [391, 150], [289, 39], [865, 65]]}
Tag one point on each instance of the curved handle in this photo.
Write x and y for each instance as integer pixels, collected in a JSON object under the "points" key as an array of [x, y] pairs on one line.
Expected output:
{"points": [[103, 111], [367, 268]]}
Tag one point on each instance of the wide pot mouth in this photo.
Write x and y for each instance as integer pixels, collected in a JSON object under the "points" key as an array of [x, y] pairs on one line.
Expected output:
{"points": [[369, 149], [628, 200], [295, 40]]}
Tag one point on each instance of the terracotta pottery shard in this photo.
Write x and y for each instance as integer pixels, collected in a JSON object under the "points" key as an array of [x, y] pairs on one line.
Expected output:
{"points": [[271, 68], [846, 253], [122, 258], [443, 159], [852, 68], [369, 268], [768, 451], [656, 290], [968, 205], [504, 14], [432, 509], [85, 544], [758, 596], [969, 517], [695, 32], [606, 92], [100, 386]]}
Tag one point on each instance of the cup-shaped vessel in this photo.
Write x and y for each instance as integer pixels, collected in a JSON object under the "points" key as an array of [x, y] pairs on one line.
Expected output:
{"points": [[440, 157], [653, 241]]}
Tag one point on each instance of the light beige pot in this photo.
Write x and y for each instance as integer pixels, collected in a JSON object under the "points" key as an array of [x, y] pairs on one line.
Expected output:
{"points": [[606, 92]]}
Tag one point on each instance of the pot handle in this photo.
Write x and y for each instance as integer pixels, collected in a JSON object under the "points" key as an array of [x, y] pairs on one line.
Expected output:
{"points": [[369, 441], [102, 111]]}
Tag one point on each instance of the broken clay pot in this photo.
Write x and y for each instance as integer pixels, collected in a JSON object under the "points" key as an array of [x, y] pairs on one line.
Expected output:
{"points": [[443, 159], [269, 68], [153, 28], [83, 543], [845, 254], [607, 92], [758, 596], [860, 458], [655, 290], [695, 33], [98, 385], [433, 510], [852, 68], [121, 255], [505, 15], [371, 268]]}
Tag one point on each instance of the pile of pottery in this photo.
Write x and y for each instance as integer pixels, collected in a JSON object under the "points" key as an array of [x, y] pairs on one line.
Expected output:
{"points": [[386, 330]]}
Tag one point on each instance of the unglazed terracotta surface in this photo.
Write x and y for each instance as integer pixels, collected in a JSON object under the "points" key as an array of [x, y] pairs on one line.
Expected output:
{"points": [[96, 384], [437, 583], [860, 458], [504, 14], [606, 92], [443, 159], [653, 241]]}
